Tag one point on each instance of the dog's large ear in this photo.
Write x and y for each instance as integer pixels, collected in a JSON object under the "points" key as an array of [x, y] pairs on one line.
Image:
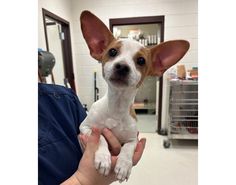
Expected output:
{"points": [[167, 54], [96, 34]]}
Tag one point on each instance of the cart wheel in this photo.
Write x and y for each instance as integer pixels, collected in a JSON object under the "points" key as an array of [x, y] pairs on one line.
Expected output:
{"points": [[166, 144]]}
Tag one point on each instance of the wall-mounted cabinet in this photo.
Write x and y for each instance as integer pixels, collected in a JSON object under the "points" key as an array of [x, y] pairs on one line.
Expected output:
{"points": [[148, 31]]}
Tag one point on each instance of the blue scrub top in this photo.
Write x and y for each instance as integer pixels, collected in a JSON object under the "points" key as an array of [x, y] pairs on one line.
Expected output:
{"points": [[59, 116]]}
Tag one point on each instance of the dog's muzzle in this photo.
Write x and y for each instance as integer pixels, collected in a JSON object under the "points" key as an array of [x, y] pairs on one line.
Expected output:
{"points": [[120, 74], [121, 70]]}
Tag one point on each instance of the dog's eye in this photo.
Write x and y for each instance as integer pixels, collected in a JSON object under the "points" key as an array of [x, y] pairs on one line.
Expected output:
{"points": [[140, 61], [112, 52]]}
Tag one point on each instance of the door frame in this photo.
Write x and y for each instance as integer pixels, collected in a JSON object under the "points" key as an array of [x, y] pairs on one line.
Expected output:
{"points": [[66, 45]]}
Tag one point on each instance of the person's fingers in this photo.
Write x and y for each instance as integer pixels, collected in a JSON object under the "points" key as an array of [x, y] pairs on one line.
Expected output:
{"points": [[82, 142], [139, 150], [113, 142], [113, 161], [84, 139], [93, 141]]}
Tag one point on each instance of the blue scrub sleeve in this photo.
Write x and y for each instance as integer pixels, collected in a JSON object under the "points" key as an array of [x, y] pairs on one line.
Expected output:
{"points": [[59, 115]]}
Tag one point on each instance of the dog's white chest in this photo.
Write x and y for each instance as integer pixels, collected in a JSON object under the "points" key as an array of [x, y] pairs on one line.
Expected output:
{"points": [[124, 129], [110, 123], [121, 124]]}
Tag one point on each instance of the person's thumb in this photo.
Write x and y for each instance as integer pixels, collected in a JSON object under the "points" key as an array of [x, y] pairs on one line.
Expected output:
{"points": [[93, 141]]}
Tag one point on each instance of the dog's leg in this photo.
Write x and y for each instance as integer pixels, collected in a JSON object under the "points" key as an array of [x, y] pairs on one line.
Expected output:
{"points": [[103, 157], [124, 162]]}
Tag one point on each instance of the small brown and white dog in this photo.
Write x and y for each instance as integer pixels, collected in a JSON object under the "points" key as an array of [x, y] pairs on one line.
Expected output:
{"points": [[125, 64]]}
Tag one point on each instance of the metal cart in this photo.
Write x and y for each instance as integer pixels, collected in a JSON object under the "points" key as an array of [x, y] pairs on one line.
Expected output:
{"points": [[183, 111]]}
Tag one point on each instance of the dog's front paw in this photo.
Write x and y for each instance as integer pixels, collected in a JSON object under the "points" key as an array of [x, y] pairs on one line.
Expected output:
{"points": [[123, 169], [103, 163]]}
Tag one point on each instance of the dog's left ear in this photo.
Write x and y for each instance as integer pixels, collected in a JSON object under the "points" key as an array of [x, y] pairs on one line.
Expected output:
{"points": [[96, 34], [167, 54]]}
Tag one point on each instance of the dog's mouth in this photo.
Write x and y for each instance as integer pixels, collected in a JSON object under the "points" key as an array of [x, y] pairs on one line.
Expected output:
{"points": [[119, 81]]}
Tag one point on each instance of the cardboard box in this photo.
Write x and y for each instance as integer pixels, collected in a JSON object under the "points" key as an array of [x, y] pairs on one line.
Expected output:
{"points": [[181, 71]]}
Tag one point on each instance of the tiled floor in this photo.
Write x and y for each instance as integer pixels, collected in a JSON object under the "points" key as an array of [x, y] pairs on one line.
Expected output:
{"points": [[177, 165], [147, 123]]}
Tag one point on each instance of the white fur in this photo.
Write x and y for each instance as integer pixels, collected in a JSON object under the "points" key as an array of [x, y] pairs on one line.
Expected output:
{"points": [[113, 111]]}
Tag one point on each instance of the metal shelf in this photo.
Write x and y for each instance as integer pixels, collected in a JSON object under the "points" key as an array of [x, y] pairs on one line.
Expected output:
{"points": [[183, 110]]}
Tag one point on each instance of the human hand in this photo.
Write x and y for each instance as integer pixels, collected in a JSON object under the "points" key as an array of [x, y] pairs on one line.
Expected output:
{"points": [[115, 146], [113, 143], [87, 173]]}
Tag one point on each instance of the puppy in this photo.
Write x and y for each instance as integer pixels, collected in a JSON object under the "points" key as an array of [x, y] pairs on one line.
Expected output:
{"points": [[125, 64]]}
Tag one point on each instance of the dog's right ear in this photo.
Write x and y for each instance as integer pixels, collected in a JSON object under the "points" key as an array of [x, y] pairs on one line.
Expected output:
{"points": [[166, 55], [96, 34]]}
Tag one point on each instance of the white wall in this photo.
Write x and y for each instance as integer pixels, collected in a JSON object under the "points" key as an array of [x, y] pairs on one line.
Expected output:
{"points": [[62, 8], [180, 23]]}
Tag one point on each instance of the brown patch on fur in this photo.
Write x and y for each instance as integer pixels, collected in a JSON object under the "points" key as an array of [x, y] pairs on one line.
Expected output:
{"points": [[144, 70], [132, 113], [114, 44], [105, 56]]}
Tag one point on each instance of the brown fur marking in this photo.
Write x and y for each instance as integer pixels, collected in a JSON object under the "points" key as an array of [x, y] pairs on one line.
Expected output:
{"points": [[105, 56], [133, 113], [144, 70], [114, 44]]}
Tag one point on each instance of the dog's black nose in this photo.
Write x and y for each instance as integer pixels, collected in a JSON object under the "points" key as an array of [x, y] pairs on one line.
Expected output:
{"points": [[121, 69]]}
